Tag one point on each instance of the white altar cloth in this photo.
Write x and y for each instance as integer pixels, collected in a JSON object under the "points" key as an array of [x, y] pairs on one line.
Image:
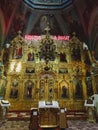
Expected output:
{"points": [[95, 99], [4, 103], [88, 105], [47, 104]]}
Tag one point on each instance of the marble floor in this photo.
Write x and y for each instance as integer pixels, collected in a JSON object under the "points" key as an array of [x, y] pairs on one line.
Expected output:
{"points": [[72, 125]]}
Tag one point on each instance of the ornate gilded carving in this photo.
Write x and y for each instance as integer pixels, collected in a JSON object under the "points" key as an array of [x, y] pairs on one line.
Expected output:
{"points": [[47, 70]]}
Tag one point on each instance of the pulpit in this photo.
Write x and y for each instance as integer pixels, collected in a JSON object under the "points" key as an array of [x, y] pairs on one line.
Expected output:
{"points": [[4, 105], [48, 114], [89, 104]]}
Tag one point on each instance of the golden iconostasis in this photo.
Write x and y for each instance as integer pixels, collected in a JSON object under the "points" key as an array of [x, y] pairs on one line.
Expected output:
{"points": [[48, 69]]}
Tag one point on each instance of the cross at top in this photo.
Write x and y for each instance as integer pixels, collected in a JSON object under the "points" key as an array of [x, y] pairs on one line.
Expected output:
{"points": [[47, 29]]}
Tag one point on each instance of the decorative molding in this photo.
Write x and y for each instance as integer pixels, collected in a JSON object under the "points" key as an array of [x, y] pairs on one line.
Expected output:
{"points": [[48, 4]]}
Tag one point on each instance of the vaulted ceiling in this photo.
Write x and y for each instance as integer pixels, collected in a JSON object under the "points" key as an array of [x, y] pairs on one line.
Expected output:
{"points": [[63, 16]]}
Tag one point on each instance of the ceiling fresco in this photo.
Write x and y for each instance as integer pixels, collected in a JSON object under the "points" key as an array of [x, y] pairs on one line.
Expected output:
{"points": [[63, 16]]}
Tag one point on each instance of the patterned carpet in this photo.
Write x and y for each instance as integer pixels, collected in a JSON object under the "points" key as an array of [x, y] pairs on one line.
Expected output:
{"points": [[72, 125], [21, 121], [18, 115]]}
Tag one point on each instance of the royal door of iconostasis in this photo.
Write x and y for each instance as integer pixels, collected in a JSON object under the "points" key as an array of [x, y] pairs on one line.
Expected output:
{"points": [[47, 87]]}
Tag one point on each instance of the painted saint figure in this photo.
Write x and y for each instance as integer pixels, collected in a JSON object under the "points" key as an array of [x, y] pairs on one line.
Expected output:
{"points": [[30, 56], [17, 51], [28, 89], [14, 89], [64, 92]]}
